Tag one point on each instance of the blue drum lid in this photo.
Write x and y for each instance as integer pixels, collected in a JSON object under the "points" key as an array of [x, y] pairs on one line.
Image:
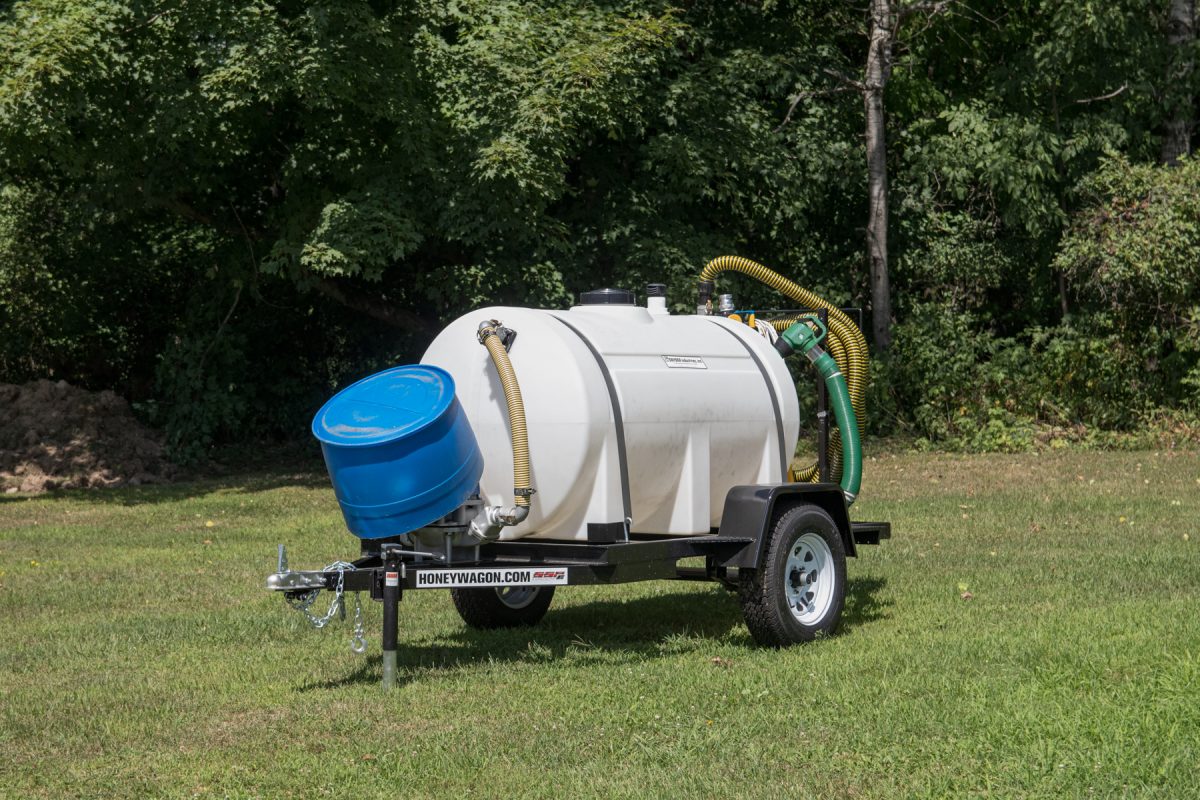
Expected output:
{"points": [[384, 407]]}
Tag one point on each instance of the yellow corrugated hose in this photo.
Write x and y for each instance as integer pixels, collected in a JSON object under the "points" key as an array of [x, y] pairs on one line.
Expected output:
{"points": [[845, 342], [516, 413]]}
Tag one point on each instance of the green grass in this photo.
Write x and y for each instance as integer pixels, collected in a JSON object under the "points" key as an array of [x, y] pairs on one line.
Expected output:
{"points": [[140, 655]]}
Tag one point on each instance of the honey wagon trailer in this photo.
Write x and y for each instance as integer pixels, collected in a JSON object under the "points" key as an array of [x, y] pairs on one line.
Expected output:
{"points": [[650, 437]]}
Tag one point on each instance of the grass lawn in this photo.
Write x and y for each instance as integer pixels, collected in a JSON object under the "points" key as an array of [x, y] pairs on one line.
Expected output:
{"points": [[141, 657]]}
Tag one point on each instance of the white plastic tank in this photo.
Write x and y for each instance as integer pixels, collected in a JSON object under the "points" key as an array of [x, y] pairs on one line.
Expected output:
{"points": [[639, 421]]}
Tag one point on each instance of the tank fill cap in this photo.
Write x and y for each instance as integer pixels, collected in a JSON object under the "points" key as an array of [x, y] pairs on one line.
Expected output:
{"points": [[607, 297]]}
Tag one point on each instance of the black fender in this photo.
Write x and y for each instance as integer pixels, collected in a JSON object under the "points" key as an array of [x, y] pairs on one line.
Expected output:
{"points": [[750, 511]]}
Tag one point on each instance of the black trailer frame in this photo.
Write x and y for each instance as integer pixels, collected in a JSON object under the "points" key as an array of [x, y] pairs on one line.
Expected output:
{"points": [[737, 545], [645, 557], [386, 570]]}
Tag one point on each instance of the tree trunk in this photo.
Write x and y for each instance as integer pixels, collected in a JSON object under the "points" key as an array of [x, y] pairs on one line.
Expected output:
{"points": [[879, 59], [1181, 32]]}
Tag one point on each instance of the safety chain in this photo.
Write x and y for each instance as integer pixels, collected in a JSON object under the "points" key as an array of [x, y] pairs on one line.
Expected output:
{"points": [[303, 602], [358, 642]]}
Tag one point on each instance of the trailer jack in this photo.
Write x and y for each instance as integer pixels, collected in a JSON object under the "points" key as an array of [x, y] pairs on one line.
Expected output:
{"points": [[379, 575]]}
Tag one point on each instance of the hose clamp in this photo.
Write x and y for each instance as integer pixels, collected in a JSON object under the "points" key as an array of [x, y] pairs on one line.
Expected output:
{"points": [[487, 329], [496, 328]]}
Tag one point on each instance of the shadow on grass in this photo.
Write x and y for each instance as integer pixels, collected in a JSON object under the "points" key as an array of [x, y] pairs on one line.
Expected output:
{"points": [[614, 632], [863, 605], [247, 483], [251, 467]]}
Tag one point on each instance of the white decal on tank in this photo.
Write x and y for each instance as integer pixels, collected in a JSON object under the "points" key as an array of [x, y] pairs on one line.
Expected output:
{"points": [[685, 362]]}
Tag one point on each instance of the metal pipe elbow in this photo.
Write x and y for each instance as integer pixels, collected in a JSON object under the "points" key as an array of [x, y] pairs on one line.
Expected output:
{"points": [[508, 516], [487, 524]]}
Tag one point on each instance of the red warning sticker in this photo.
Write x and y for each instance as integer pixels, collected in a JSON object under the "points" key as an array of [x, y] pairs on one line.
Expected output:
{"points": [[391, 579]]}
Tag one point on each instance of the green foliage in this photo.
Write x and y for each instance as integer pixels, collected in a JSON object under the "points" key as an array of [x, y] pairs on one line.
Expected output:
{"points": [[73, 303], [200, 373], [1133, 255], [410, 161], [957, 257], [221, 379], [956, 382], [991, 163], [290, 193], [967, 388], [1134, 247]]}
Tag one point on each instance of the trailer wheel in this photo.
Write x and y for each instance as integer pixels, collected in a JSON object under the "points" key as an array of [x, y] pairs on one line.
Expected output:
{"points": [[502, 607], [798, 592]]}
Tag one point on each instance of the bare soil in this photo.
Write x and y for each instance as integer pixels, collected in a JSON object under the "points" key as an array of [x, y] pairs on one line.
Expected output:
{"points": [[57, 436]]}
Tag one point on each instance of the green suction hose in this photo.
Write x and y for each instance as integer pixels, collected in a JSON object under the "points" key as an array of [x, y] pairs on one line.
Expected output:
{"points": [[845, 340], [805, 338]]}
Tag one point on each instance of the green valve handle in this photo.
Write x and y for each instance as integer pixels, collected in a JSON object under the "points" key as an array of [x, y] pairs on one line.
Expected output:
{"points": [[803, 337]]}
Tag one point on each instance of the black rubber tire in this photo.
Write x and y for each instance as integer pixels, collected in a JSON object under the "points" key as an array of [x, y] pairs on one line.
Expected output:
{"points": [[484, 609], [763, 594]]}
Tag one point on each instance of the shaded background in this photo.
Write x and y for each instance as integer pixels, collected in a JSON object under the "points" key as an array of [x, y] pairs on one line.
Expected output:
{"points": [[223, 211]]}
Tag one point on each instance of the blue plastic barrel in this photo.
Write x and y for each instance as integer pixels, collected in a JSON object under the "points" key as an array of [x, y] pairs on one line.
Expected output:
{"points": [[399, 450]]}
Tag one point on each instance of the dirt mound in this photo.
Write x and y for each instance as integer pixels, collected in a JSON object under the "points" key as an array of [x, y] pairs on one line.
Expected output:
{"points": [[53, 436]]}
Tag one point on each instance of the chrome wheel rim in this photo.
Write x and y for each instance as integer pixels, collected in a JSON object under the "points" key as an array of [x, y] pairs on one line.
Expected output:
{"points": [[517, 596], [808, 579]]}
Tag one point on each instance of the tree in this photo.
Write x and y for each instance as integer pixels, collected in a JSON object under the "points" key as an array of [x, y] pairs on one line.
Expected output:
{"points": [[884, 19], [294, 192], [1181, 36], [882, 30], [383, 162]]}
